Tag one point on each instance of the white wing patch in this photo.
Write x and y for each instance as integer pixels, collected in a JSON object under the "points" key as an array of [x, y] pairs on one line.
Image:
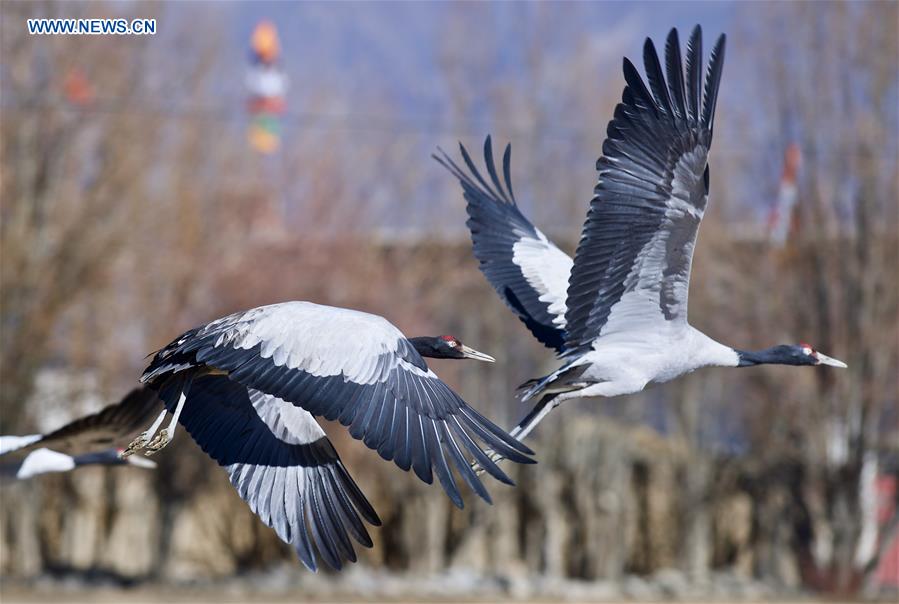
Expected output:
{"points": [[312, 507], [12, 443], [289, 423], [546, 268], [636, 312], [320, 340], [658, 285], [43, 461]]}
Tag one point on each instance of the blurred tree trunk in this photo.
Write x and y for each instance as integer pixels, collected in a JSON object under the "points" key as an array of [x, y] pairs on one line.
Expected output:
{"points": [[837, 276], [695, 505]]}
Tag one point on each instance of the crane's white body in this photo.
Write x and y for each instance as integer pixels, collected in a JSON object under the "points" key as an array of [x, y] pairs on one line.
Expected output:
{"points": [[625, 363], [628, 362]]}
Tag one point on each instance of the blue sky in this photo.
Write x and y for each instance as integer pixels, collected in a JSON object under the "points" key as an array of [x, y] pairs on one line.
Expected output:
{"points": [[393, 48], [392, 51], [400, 40], [377, 71]]}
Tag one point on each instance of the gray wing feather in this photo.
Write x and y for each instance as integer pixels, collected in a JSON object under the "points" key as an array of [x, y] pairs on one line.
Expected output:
{"points": [[282, 464], [632, 267], [526, 269]]}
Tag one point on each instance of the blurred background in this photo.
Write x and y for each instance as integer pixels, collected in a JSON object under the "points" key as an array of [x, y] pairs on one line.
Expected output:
{"points": [[254, 153]]}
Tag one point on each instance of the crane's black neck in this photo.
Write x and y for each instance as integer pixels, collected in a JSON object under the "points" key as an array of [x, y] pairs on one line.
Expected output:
{"points": [[105, 457], [776, 355]]}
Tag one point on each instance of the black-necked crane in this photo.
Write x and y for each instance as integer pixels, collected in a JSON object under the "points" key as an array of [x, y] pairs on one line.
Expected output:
{"points": [[617, 314], [246, 388], [94, 439]]}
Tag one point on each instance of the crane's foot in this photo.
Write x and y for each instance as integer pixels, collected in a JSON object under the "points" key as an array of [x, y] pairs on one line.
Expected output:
{"points": [[492, 456], [138, 444], [144, 438], [155, 445]]}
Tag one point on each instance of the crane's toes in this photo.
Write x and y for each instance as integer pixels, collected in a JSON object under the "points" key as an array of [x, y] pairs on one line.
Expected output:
{"points": [[161, 440], [492, 455], [137, 444]]}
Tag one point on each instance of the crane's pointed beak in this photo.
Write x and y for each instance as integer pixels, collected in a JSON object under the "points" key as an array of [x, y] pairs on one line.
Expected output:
{"points": [[471, 353], [823, 359]]}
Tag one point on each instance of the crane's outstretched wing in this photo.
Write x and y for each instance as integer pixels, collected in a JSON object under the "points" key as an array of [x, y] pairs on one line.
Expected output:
{"points": [[111, 426], [352, 367], [283, 466], [525, 268], [632, 266]]}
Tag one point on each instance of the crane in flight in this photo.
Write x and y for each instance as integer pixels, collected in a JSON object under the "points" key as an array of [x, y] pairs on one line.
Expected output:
{"points": [[95, 439], [617, 314], [246, 387]]}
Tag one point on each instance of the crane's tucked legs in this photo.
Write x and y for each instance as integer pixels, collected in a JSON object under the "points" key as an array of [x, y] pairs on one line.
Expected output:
{"points": [[166, 435], [143, 439], [525, 426], [149, 439], [530, 421]]}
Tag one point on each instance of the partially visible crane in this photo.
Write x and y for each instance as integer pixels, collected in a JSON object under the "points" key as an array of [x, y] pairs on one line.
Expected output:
{"points": [[91, 440]]}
